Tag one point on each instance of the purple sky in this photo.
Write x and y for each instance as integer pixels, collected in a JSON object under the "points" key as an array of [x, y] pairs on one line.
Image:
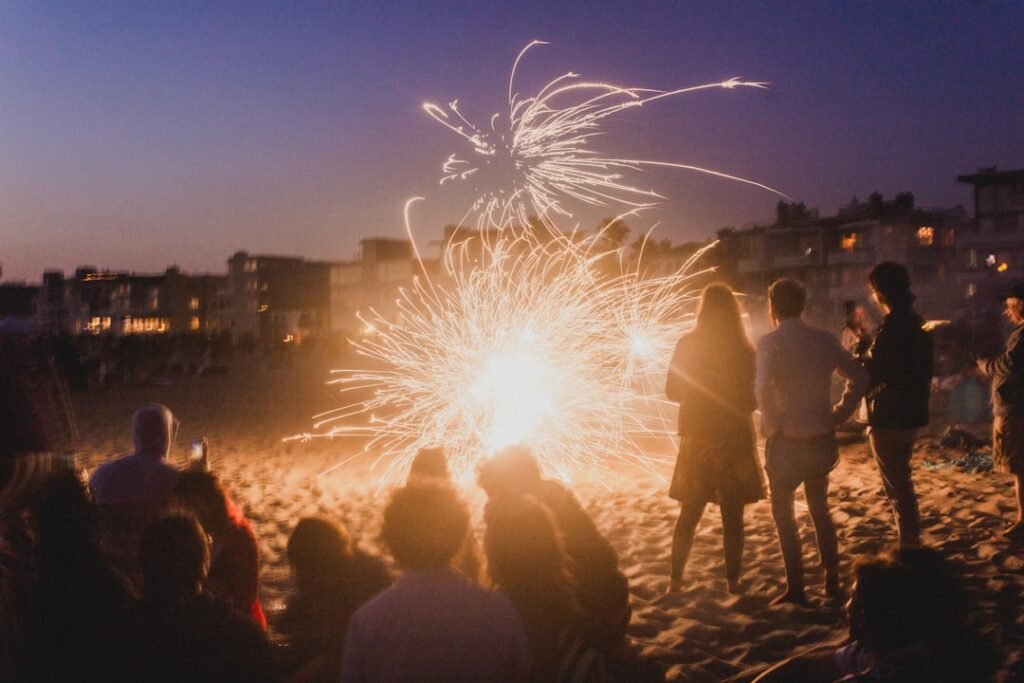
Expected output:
{"points": [[139, 134]]}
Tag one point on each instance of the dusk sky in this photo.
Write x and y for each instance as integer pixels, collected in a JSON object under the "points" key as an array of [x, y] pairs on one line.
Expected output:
{"points": [[139, 134]]}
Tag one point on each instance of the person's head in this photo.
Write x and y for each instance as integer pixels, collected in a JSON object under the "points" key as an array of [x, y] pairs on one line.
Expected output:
{"points": [[425, 524], [786, 299], [889, 283], [63, 512], [719, 316], [202, 494], [901, 597], [513, 469], [317, 552], [153, 428], [431, 463], [1013, 304], [525, 555], [174, 553]]}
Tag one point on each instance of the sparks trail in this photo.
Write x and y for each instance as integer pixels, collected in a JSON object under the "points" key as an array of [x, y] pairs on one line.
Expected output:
{"points": [[543, 150]]}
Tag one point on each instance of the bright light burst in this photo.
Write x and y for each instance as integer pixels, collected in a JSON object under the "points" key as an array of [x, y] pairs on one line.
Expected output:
{"points": [[528, 334]]}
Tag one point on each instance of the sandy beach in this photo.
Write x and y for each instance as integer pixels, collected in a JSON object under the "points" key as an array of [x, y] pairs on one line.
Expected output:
{"points": [[701, 634]]}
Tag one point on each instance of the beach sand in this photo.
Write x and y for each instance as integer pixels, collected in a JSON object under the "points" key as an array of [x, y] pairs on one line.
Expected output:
{"points": [[700, 634]]}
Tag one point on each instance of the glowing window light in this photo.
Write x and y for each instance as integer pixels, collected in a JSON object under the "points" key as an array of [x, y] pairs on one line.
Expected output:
{"points": [[926, 236], [1003, 267], [193, 323], [848, 242]]}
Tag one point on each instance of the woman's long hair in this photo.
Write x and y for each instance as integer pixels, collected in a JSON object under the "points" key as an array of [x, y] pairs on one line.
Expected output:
{"points": [[719, 319], [527, 561]]}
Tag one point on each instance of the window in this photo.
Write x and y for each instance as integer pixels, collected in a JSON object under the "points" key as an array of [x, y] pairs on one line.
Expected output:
{"points": [[949, 238], [250, 266], [193, 303], [926, 236], [193, 323], [848, 241]]}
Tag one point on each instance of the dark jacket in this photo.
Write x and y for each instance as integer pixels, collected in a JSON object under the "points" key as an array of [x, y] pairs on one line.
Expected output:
{"points": [[900, 362], [1007, 373], [714, 386]]}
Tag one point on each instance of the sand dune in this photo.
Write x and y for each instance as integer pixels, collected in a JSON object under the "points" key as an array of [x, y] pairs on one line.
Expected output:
{"points": [[700, 634]]}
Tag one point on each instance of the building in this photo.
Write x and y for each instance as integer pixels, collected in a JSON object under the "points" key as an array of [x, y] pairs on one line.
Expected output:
{"points": [[277, 298], [373, 280], [992, 248]]}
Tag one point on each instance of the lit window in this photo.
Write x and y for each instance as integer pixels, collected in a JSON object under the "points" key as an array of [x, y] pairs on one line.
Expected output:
{"points": [[972, 289], [263, 307], [193, 323], [250, 265], [990, 260], [1003, 267], [926, 236], [193, 303], [848, 242]]}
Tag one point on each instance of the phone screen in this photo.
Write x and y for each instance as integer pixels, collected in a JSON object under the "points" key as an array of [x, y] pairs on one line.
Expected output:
{"points": [[198, 449]]}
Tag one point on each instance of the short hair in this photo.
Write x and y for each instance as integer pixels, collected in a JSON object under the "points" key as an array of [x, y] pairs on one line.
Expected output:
{"points": [[513, 469], [425, 524], [175, 556], [787, 298], [318, 545], [892, 281]]}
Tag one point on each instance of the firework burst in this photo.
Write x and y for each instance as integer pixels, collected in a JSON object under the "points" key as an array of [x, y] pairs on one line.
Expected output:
{"points": [[528, 334]]}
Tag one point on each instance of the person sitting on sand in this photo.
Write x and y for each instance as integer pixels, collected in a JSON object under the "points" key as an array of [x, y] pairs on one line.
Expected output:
{"points": [[601, 589], [1007, 374], [909, 623], [526, 561], [712, 378], [333, 578], [79, 603], [182, 633], [234, 574], [134, 490], [795, 364], [432, 464], [434, 624]]}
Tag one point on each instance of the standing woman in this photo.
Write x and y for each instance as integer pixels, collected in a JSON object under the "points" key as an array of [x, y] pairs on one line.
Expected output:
{"points": [[712, 379]]}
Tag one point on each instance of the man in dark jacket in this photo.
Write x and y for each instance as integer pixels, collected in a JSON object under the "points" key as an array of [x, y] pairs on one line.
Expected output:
{"points": [[900, 362], [1007, 374]]}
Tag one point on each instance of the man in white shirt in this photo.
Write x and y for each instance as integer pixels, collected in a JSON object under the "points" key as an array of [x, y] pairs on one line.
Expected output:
{"points": [[433, 624], [795, 363]]}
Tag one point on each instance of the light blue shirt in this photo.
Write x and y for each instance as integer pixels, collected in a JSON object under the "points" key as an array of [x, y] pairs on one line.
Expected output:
{"points": [[795, 363]]}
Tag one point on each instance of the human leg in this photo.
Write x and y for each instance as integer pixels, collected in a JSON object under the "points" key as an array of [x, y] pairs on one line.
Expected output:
{"points": [[789, 540], [816, 493], [682, 540], [732, 536], [893, 450]]}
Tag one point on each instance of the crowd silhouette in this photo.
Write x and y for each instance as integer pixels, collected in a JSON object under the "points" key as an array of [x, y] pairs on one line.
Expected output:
{"points": [[150, 573]]}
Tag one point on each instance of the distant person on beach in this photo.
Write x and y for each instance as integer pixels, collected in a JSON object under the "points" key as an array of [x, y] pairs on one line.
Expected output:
{"points": [[432, 464], [711, 376], [234, 573], [1006, 372], [80, 604], [333, 578], [909, 623], [181, 633], [134, 490], [601, 589], [856, 334], [527, 562], [900, 362], [434, 624], [795, 364]]}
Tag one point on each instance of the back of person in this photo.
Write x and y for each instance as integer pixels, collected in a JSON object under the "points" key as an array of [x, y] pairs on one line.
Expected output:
{"points": [[439, 625], [179, 633], [901, 363], [803, 359], [713, 384]]}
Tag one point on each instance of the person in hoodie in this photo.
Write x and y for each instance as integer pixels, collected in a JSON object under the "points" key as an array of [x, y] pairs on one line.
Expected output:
{"points": [[136, 489], [900, 362]]}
